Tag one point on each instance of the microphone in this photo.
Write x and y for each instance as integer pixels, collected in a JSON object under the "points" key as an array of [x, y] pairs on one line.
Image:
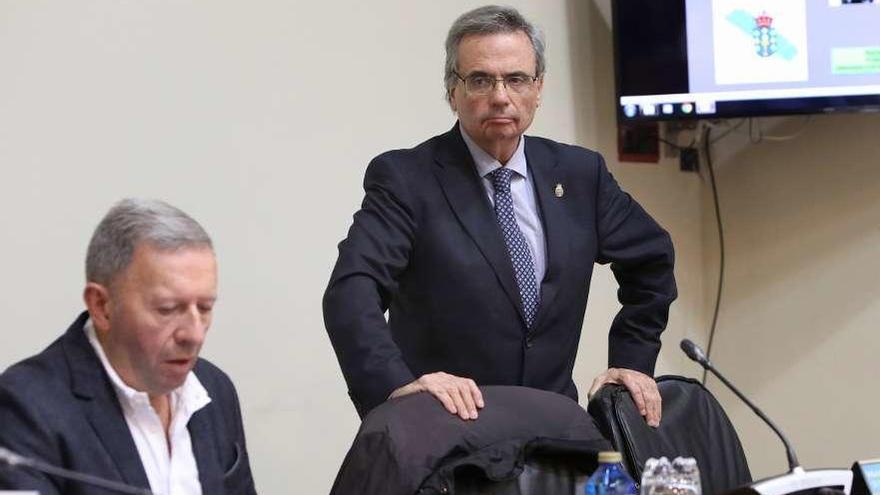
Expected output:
{"points": [[694, 352], [14, 460], [797, 479]]}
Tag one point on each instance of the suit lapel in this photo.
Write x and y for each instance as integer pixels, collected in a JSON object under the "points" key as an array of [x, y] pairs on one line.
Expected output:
{"points": [[461, 184], [545, 176], [92, 386], [111, 428], [205, 451]]}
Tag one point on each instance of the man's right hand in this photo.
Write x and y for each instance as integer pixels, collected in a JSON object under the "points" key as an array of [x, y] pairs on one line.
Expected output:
{"points": [[457, 394]]}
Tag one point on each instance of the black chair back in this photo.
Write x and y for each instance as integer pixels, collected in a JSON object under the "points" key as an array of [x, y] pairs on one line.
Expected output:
{"points": [[693, 425]]}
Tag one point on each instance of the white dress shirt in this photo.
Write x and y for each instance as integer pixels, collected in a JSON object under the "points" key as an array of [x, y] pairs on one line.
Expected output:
{"points": [[170, 471], [525, 205]]}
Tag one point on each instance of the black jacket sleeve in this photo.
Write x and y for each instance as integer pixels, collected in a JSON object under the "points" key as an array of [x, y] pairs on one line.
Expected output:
{"points": [[642, 260], [23, 431], [376, 250]]}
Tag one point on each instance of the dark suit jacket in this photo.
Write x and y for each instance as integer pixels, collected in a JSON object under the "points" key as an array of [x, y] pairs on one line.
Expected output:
{"points": [[411, 442], [426, 246], [60, 407]]}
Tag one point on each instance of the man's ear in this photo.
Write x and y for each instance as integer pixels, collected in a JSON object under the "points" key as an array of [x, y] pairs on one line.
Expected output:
{"points": [[450, 97], [540, 88], [97, 299]]}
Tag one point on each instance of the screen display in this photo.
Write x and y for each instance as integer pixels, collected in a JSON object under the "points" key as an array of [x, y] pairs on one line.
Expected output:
{"points": [[729, 58], [871, 473]]}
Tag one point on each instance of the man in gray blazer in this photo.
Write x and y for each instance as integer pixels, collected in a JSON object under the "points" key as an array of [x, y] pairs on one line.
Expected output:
{"points": [[122, 394]]}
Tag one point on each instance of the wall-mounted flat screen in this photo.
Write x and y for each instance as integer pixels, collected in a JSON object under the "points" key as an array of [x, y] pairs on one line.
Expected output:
{"points": [[681, 59]]}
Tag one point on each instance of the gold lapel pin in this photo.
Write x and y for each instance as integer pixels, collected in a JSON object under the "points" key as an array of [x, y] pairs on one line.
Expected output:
{"points": [[558, 191]]}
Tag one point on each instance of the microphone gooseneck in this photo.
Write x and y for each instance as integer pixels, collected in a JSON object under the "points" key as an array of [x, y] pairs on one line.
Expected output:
{"points": [[14, 460], [694, 352]]}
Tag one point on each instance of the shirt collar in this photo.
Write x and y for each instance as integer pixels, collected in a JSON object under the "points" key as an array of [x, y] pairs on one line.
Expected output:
{"points": [[190, 396], [486, 163]]}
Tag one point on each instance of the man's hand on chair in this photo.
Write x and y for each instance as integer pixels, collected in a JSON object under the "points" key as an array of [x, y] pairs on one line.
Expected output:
{"points": [[458, 395], [642, 388]]}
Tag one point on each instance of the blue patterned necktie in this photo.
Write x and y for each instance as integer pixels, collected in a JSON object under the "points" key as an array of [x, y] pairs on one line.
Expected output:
{"points": [[517, 248]]}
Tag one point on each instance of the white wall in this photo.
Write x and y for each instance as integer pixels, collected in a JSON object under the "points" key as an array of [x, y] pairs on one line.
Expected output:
{"points": [[798, 327], [258, 118]]}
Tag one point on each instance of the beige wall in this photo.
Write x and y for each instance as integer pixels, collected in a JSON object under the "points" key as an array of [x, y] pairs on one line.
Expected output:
{"points": [[798, 329], [259, 118], [671, 196]]}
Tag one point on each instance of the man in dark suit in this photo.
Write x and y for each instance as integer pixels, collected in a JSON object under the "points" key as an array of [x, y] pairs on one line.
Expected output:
{"points": [[122, 394], [480, 243]]}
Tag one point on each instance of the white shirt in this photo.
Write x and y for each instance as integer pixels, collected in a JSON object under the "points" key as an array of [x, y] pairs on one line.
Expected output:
{"points": [[525, 205], [169, 473]]}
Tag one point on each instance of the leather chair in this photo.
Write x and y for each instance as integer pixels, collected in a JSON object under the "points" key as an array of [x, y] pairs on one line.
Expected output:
{"points": [[693, 425], [525, 442]]}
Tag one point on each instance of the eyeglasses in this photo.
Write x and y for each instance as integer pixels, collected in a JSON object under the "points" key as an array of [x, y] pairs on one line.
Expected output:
{"points": [[482, 85]]}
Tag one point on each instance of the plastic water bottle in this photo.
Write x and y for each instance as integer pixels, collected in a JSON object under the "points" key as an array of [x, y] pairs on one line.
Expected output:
{"points": [[610, 478]]}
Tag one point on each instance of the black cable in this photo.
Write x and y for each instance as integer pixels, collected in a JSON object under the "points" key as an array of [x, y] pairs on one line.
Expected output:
{"points": [[677, 146], [674, 145], [707, 145], [729, 130]]}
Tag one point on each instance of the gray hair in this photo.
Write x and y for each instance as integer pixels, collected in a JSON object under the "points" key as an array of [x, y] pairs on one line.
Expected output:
{"points": [[131, 222], [490, 19]]}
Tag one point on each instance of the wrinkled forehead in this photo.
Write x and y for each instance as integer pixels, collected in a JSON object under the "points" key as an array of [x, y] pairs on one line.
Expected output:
{"points": [[496, 53], [191, 266]]}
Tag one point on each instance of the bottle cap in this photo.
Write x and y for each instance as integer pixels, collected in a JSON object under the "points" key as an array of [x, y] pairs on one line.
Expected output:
{"points": [[610, 457]]}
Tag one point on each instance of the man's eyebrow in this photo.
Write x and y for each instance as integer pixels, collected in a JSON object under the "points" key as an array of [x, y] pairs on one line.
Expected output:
{"points": [[480, 73]]}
